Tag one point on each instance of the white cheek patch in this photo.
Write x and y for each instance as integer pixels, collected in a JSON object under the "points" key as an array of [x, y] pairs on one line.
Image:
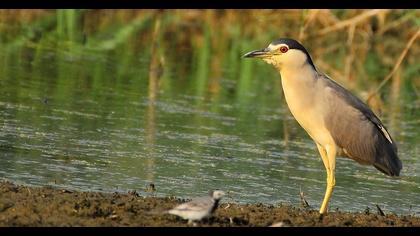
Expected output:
{"points": [[271, 47]]}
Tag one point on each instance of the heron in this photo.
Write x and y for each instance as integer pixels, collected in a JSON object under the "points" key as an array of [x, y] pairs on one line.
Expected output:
{"points": [[339, 123]]}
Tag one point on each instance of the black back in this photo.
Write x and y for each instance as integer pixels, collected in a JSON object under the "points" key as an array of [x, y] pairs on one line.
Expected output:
{"points": [[293, 44]]}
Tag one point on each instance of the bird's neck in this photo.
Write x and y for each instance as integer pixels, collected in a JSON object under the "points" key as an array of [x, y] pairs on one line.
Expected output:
{"points": [[298, 74], [300, 91], [299, 87]]}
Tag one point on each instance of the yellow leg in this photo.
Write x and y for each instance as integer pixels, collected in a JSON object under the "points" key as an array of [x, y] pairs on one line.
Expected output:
{"points": [[328, 158]]}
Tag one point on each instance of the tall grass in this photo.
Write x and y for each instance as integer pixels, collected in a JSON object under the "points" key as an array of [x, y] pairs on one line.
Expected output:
{"points": [[359, 48]]}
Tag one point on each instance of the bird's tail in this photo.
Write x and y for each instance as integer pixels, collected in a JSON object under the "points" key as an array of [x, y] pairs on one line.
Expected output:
{"points": [[387, 160]]}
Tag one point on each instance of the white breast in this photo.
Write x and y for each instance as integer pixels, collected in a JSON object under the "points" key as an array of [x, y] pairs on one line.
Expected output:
{"points": [[303, 99]]}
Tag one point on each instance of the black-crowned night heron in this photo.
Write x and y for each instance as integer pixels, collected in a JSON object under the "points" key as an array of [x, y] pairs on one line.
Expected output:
{"points": [[198, 208], [338, 122]]}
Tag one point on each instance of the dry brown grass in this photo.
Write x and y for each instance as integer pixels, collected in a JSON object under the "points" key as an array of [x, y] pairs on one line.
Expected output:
{"points": [[356, 47]]}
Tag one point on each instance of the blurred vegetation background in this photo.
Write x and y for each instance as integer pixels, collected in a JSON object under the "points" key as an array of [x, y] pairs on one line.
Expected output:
{"points": [[361, 49]]}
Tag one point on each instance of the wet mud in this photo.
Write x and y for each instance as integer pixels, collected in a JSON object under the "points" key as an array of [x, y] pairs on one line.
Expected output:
{"points": [[46, 206]]}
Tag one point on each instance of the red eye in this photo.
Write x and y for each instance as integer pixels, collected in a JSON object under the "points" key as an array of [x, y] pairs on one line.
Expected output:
{"points": [[284, 49]]}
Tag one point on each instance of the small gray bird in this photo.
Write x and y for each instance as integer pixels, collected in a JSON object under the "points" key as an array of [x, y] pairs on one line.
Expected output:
{"points": [[338, 122], [198, 208]]}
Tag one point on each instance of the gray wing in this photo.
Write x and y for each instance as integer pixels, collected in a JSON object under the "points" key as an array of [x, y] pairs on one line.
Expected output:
{"points": [[198, 204], [358, 131]]}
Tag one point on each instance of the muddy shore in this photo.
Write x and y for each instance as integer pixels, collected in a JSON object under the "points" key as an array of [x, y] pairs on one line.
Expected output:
{"points": [[31, 206]]}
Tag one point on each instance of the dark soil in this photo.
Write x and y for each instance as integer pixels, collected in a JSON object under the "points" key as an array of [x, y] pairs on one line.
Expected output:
{"points": [[29, 206]]}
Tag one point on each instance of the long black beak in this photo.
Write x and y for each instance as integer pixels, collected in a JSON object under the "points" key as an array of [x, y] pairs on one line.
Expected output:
{"points": [[256, 53]]}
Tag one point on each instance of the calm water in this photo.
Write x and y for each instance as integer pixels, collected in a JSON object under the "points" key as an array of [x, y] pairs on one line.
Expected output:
{"points": [[88, 120]]}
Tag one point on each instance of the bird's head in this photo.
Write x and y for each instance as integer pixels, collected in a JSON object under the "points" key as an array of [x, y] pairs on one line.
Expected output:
{"points": [[217, 194], [283, 53]]}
